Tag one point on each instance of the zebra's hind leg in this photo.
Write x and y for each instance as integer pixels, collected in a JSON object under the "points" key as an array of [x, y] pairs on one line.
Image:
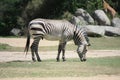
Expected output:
{"points": [[32, 52], [34, 49], [37, 55]]}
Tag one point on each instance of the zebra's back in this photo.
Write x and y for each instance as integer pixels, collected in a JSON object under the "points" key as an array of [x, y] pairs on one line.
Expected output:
{"points": [[52, 29]]}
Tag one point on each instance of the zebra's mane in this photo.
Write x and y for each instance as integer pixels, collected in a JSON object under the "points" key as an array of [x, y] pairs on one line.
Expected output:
{"points": [[80, 31]]}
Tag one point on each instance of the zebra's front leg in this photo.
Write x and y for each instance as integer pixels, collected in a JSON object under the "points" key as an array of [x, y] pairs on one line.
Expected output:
{"points": [[63, 51], [61, 48], [63, 54], [59, 51]]}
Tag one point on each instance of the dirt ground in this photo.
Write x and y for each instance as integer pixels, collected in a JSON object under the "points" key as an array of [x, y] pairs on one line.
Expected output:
{"points": [[22, 41], [101, 77], [20, 56]]}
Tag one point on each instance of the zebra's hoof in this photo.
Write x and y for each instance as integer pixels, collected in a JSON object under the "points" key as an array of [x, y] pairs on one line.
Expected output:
{"points": [[58, 60], [33, 60], [64, 59], [39, 60]]}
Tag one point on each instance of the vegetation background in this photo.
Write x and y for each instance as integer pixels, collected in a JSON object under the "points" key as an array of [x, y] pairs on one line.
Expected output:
{"points": [[17, 13]]}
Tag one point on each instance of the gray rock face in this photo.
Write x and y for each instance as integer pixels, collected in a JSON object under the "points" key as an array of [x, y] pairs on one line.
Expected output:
{"points": [[116, 22], [84, 17], [102, 30], [15, 31], [101, 17], [95, 30], [112, 31], [78, 20]]}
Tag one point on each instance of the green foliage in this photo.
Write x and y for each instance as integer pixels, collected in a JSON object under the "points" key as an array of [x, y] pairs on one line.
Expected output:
{"points": [[17, 13], [10, 10]]}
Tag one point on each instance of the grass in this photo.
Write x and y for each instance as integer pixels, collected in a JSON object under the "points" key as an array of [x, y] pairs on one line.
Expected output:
{"points": [[4, 46], [109, 43], [70, 68]]}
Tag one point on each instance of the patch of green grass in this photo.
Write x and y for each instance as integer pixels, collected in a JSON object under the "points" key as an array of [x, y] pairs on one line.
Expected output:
{"points": [[70, 68], [105, 43], [9, 36], [4, 46]]}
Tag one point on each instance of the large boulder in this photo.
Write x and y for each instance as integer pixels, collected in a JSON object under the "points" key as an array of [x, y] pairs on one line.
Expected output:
{"points": [[112, 31], [96, 30], [84, 16], [101, 17], [15, 31], [116, 22], [78, 20]]}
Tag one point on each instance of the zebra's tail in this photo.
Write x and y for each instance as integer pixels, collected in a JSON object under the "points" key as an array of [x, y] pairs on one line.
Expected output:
{"points": [[27, 42]]}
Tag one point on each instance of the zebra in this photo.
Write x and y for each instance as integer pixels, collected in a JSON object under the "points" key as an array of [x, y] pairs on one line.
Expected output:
{"points": [[61, 30]]}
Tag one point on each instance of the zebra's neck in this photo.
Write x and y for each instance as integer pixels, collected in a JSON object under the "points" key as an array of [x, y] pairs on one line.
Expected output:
{"points": [[80, 36]]}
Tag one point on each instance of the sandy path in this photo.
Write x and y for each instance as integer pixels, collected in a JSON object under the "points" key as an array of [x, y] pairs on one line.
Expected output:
{"points": [[100, 77], [20, 42]]}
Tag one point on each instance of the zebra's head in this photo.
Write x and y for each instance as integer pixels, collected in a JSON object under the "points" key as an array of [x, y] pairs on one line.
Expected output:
{"points": [[81, 40]]}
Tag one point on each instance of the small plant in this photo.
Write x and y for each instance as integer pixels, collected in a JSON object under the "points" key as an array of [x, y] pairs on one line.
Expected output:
{"points": [[4, 46]]}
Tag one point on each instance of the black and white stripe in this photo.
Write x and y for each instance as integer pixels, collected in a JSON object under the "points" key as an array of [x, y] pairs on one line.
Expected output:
{"points": [[61, 30], [80, 36]]}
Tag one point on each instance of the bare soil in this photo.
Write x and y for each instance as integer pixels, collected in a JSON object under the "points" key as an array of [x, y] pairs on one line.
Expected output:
{"points": [[100, 77], [20, 42]]}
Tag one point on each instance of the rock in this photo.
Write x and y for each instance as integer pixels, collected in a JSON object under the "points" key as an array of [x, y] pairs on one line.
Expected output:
{"points": [[75, 20], [101, 17], [15, 31], [94, 30], [78, 21], [84, 16], [112, 31], [116, 22]]}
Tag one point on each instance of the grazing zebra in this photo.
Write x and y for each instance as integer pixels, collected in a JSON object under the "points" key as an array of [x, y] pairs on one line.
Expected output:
{"points": [[61, 30]]}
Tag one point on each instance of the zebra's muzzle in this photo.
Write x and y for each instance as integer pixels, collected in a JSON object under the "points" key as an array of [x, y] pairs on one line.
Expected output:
{"points": [[83, 60]]}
